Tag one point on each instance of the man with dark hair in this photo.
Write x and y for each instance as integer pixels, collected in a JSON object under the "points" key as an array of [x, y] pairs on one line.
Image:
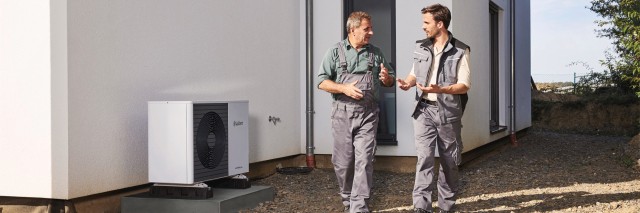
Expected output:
{"points": [[441, 75], [348, 72]]}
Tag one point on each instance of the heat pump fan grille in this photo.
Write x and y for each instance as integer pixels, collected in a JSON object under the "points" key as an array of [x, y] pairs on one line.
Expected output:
{"points": [[210, 141], [211, 124]]}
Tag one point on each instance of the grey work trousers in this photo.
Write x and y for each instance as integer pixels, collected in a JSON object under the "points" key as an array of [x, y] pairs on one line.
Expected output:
{"points": [[429, 131], [354, 132]]}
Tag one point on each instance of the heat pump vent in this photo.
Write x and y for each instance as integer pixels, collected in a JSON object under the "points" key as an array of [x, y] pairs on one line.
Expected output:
{"points": [[210, 141]]}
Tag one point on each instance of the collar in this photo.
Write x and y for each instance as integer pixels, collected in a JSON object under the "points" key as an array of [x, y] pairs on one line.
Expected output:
{"points": [[447, 46], [347, 45]]}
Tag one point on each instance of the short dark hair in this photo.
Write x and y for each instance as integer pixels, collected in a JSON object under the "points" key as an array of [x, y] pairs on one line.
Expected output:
{"points": [[440, 13]]}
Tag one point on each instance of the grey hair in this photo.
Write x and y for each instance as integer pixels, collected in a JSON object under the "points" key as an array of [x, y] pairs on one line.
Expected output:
{"points": [[355, 18]]}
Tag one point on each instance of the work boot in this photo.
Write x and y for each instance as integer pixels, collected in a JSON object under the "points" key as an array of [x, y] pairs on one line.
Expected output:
{"points": [[419, 210]]}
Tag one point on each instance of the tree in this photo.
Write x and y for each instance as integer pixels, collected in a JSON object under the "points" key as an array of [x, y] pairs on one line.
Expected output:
{"points": [[622, 25]]}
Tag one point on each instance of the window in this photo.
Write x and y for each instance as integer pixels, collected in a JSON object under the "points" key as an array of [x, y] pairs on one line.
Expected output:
{"points": [[383, 15], [494, 17]]}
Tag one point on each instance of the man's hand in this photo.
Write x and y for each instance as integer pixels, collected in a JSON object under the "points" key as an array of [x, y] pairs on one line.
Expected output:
{"points": [[350, 89], [432, 88], [403, 84], [384, 75]]}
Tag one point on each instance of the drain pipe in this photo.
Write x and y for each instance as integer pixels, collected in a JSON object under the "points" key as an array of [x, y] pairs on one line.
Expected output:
{"points": [[311, 161], [512, 107]]}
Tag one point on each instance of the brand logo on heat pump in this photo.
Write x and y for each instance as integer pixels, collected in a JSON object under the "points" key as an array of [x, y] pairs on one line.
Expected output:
{"points": [[238, 123]]}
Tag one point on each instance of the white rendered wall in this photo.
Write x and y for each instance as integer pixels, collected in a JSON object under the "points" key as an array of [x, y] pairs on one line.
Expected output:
{"points": [[59, 101], [470, 24], [77, 76], [327, 31], [25, 113], [475, 33], [124, 53], [523, 64]]}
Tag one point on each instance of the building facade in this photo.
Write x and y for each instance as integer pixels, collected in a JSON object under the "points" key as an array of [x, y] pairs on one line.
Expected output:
{"points": [[77, 76]]}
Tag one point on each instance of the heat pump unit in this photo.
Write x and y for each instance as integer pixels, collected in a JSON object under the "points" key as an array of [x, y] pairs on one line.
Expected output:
{"points": [[192, 142]]}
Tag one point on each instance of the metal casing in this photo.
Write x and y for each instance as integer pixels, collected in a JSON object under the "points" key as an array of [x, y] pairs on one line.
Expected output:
{"points": [[180, 154]]}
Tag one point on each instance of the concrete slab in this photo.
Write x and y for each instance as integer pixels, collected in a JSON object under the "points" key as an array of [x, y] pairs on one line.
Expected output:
{"points": [[223, 200]]}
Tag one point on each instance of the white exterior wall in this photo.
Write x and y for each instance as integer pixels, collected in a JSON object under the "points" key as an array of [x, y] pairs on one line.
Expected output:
{"points": [[523, 64], [472, 18], [77, 76], [59, 101], [470, 23], [77, 125], [125, 53], [25, 92], [475, 32], [327, 31]]}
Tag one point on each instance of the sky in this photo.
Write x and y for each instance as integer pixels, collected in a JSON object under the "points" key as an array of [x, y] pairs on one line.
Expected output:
{"points": [[562, 32]]}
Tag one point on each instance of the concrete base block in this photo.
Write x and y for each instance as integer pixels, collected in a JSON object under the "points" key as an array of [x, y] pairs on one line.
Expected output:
{"points": [[223, 200]]}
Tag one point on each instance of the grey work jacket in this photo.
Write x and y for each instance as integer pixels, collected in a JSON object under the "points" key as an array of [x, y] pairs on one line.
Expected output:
{"points": [[451, 107]]}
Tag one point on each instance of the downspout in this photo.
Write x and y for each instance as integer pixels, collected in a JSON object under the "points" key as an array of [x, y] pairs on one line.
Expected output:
{"points": [[512, 107], [311, 161]]}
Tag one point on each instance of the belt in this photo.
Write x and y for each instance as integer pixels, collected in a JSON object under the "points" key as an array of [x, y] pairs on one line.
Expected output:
{"points": [[425, 101]]}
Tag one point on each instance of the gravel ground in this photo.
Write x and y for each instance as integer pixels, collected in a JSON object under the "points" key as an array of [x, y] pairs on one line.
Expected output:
{"points": [[546, 172]]}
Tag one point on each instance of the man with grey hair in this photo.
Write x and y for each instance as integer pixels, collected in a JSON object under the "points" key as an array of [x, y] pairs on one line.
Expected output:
{"points": [[352, 71], [442, 76]]}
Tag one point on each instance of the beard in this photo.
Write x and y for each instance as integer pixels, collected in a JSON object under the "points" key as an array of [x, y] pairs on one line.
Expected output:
{"points": [[432, 35]]}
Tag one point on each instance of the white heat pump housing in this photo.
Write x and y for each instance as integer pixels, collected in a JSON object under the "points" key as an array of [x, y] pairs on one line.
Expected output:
{"points": [[197, 141]]}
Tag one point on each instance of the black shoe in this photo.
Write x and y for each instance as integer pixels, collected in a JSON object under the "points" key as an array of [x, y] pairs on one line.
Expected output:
{"points": [[419, 210]]}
